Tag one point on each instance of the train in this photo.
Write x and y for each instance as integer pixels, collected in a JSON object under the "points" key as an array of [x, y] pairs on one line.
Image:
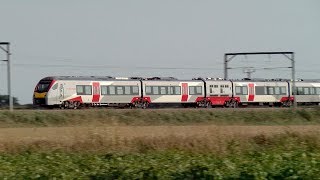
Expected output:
{"points": [[72, 92]]}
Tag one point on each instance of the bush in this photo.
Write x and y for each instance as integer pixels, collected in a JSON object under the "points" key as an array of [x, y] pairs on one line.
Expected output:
{"points": [[161, 165]]}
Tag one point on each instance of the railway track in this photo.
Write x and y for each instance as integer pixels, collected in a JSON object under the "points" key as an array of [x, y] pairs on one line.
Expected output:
{"points": [[168, 109]]}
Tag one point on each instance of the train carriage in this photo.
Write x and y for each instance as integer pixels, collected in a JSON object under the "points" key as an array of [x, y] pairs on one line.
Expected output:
{"points": [[72, 92], [121, 92], [172, 91], [307, 92], [264, 92]]}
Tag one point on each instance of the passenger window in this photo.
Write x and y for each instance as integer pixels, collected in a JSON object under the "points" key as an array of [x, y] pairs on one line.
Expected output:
{"points": [[177, 90], [312, 91], [127, 90], [171, 91], [84, 89], [241, 90], [135, 90], [80, 90], [238, 90], [88, 90], [104, 90], [119, 90], [155, 89], [318, 90], [148, 89], [195, 90], [277, 90], [270, 91], [191, 90], [54, 87], [306, 91], [163, 90], [199, 89], [299, 91], [260, 90], [112, 90], [283, 90]]}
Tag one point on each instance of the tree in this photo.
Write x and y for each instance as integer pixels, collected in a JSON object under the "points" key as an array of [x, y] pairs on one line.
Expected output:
{"points": [[4, 100]]}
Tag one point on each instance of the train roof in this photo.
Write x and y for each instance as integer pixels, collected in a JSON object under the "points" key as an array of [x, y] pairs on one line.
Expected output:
{"points": [[89, 78], [110, 78], [274, 80]]}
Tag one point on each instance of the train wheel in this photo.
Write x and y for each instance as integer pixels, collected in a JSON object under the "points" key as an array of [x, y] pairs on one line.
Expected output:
{"points": [[287, 104], [76, 105], [64, 105], [134, 105], [67, 105], [144, 105], [236, 104], [208, 105], [233, 104]]}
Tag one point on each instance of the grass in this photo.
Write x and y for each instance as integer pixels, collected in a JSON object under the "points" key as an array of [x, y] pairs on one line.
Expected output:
{"points": [[43, 118], [141, 139], [160, 144]]}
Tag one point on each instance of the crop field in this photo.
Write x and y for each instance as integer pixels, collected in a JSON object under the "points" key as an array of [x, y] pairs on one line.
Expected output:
{"points": [[160, 144]]}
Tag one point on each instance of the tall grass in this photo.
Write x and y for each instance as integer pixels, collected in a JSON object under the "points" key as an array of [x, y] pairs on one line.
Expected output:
{"points": [[211, 142]]}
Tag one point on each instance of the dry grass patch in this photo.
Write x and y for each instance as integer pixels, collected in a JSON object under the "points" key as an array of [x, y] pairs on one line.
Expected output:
{"points": [[217, 139]]}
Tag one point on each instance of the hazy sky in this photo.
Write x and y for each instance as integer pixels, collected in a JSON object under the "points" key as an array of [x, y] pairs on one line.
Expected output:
{"points": [[181, 38]]}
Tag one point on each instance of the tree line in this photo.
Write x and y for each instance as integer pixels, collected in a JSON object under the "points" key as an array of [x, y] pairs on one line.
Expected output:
{"points": [[4, 100]]}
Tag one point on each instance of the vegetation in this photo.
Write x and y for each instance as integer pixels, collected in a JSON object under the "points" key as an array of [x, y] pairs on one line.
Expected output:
{"points": [[160, 144], [291, 156], [4, 101], [21, 118]]}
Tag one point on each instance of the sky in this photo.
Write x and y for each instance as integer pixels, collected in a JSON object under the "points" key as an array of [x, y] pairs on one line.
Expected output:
{"points": [[179, 38]]}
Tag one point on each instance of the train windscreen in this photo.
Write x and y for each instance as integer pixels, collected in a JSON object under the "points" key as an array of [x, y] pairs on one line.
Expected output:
{"points": [[43, 86]]}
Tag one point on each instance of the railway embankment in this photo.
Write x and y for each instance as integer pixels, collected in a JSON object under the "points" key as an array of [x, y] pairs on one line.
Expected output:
{"points": [[152, 117]]}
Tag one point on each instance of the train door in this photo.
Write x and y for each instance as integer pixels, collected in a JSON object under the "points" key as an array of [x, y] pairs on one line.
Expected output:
{"points": [[214, 90], [184, 97], [225, 89], [54, 97], [251, 92], [96, 92]]}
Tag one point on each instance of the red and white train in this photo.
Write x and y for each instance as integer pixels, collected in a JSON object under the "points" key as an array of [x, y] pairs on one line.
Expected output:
{"points": [[74, 92]]}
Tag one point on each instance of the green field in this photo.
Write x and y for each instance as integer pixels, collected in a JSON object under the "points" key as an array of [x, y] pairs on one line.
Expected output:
{"points": [[288, 156], [160, 144]]}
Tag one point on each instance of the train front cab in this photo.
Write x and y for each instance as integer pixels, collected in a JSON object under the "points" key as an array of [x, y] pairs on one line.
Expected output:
{"points": [[42, 91]]}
